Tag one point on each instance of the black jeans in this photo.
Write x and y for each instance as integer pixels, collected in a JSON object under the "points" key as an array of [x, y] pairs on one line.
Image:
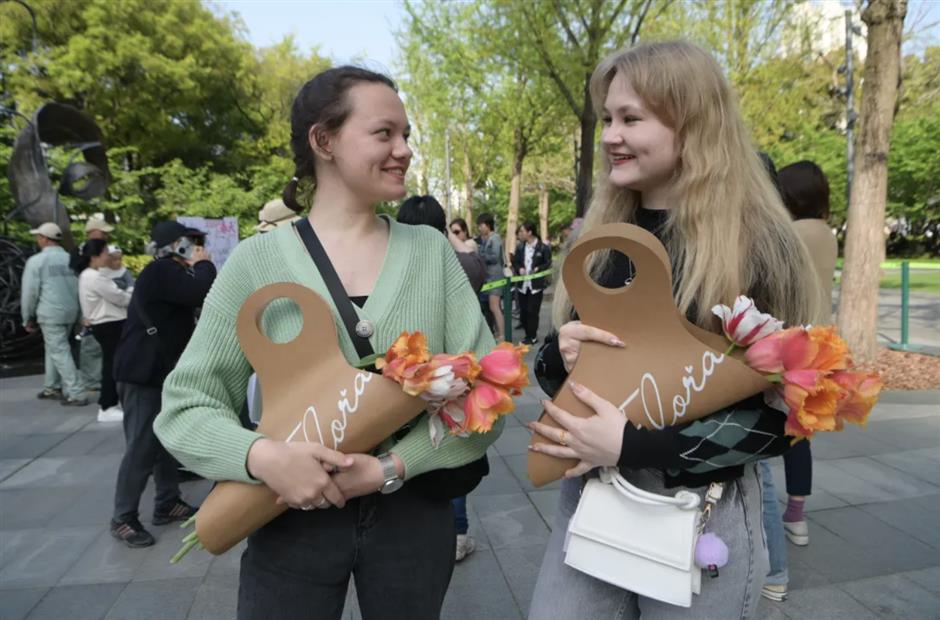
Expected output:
{"points": [[108, 335], [529, 306], [798, 465], [399, 547], [143, 455]]}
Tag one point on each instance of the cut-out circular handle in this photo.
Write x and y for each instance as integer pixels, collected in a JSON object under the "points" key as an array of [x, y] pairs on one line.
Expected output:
{"points": [[652, 283], [317, 337]]}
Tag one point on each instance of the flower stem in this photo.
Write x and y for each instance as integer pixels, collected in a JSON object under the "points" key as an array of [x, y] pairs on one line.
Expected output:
{"points": [[187, 545], [188, 522], [730, 349]]}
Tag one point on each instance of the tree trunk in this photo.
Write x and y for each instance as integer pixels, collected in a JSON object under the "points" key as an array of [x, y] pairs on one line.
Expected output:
{"points": [[543, 212], [467, 190], [864, 242], [586, 155], [515, 193]]}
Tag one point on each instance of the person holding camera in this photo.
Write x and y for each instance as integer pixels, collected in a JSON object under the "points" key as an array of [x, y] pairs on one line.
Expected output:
{"points": [[160, 322]]}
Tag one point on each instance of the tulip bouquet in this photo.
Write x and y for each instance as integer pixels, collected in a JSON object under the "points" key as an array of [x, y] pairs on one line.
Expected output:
{"points": [[464, 395], [816, 385]]}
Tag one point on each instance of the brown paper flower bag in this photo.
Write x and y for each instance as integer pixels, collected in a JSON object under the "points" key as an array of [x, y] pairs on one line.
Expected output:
{"points": [[310, 394], [670, 371]]}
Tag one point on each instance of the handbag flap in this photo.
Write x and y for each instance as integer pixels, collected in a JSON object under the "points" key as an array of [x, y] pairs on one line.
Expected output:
{"points": [[664, 534]]}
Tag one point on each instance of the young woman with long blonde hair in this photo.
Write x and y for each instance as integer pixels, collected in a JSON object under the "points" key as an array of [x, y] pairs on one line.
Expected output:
{"points": [[678, 161]]}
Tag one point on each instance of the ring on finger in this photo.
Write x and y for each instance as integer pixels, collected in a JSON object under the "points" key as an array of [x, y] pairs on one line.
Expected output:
{"points": [[563, 438], [307, 507], [323, 503]]}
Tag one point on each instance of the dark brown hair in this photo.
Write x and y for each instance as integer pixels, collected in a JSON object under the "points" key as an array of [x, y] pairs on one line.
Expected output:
{"points": [[805, 190], [322, 101]]}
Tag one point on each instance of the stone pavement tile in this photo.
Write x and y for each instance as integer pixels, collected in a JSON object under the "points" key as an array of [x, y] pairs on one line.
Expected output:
{"points": [[853, 441], [88, 602], [15, 604], [848, 487], [81, 443], [65, 472], [29, 446], [909, 434], [479, 590], [519, 465], [194, 564], [894, 596], [910, 397], [927, 578], [169, 599], [900, 484], [513, 441], [106, 560], [911, 516], [30, 419], [803, 575], [521, 566], [897, 411], [831, 556], [216, 599], [826, 603], [512, 521], [923, 464], [92, 506], [770, 610], [113, 444], [499, 481], [40, 557], [29, 508], [546, 502], [886, 548], [10, 466]]}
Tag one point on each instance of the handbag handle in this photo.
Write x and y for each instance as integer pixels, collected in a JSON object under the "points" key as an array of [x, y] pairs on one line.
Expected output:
{"points": [[685, 500]]}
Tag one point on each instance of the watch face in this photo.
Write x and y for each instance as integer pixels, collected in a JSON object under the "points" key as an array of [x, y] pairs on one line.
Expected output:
{"points": [[391, 486]]}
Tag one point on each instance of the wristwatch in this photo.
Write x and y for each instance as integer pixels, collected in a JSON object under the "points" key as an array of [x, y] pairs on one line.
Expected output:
{"points": [[390, 474]]}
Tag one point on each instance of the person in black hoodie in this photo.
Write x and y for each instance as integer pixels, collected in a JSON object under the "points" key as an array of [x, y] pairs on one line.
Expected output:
{"points": [[532, 256], [160, 321]]}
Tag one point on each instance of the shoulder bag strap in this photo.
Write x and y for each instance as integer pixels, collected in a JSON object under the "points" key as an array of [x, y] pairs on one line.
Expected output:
{"points": [[343, 305]]}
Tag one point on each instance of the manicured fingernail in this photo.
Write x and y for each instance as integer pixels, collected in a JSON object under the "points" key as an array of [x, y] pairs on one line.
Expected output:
{"points": [[576, 387], [617, 342], [534, 448]]}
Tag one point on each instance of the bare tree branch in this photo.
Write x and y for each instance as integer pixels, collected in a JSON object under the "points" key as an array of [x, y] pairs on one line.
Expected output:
{"points": [[563, 20], [542, 50], [639, 21]]}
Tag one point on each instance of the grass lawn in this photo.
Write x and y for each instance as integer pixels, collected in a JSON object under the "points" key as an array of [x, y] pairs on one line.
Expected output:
{"points": [[895, 263], [920, 281]]}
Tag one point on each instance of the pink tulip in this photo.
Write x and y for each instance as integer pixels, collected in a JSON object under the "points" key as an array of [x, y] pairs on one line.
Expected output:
{"points": [[504, 367], [484, 404], [745, 324]]}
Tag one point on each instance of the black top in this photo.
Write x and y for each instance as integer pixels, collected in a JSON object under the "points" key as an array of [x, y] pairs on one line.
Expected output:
{"points": [[169, 293], [541, 260], [681, 450]]}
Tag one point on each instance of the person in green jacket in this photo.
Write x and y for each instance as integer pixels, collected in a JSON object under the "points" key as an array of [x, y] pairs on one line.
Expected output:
{"points": [[349, 136], [49, 302]]}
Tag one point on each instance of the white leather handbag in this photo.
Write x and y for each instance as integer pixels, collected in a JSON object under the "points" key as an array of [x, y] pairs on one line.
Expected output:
{"points": [[636, 540]]}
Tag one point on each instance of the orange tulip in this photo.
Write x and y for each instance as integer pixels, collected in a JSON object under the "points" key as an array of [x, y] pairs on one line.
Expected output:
{"points": [[862, 393], [812, 411], [464, 366], [504, 366], [409, 350], [484, 404], [832, 353]]}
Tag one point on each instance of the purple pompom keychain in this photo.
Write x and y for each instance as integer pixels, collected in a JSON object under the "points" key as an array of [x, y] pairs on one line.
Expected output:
{"points": [[711, 553]]}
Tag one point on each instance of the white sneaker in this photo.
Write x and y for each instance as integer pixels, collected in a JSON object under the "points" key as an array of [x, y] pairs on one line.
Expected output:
{"points": [[774, 592], [797, 532], [111, 414], [465, 546]]}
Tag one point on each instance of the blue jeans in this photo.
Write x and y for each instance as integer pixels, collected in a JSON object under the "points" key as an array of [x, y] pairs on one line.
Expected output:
{"points": [[773, 528], [460, 514]]}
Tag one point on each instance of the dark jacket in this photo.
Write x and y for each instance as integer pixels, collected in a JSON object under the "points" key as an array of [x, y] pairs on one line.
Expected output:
{"points": [[169, 294], [541, 260]]}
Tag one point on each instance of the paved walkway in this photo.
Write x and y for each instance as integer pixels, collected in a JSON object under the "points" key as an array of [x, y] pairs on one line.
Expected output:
{"points": [[875, 550]]}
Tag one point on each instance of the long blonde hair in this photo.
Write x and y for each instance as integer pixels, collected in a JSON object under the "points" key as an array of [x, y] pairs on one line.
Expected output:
{"points": [[729, 233]]}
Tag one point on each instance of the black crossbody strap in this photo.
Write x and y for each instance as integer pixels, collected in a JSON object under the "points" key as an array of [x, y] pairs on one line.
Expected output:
{"points": [[333, 284]]}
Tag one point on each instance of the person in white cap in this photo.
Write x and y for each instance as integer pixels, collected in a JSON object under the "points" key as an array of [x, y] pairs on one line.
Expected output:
{"points": [[97, 228], [273, 214], [49, 302]]}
